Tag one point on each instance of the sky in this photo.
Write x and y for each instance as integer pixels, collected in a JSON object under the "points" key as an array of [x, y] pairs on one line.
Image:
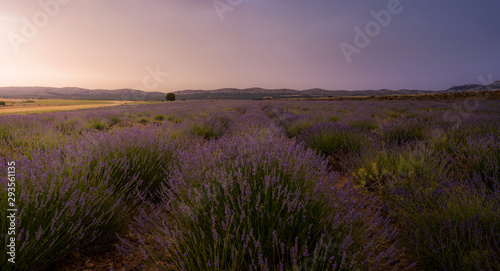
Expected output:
{"points": [[168, 45]]}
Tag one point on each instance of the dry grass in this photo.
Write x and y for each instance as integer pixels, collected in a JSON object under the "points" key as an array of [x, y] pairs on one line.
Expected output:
{"points": [[23, 106]]}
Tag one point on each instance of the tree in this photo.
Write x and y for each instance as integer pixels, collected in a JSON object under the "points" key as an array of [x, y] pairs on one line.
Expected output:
{"points": [[2, 103], [170, 97]]}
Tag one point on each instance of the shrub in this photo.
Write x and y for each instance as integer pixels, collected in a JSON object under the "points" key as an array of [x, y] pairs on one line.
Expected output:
{"points": [[399, 167], [148, 154], [62, 206], [264, 205], [479, 157], [333, 139], [204, 130], [212, 128], [144, 114], [114, 120], [143, 120], [174, 118], [69, 127], [241, 110], [365, 125], [221, 120], [2, 103], [402, 133], [98, 124], [452, 227], [295, 128], [333, 118], [23, 134], [159, 117]]}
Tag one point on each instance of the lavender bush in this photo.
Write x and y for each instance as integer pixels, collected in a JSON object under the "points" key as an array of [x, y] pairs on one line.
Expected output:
{"points": [[400, 166], [402, 132], [137, 156], [436, 169], [451, 227], [479, 158], [263, 203], [62, 207]]}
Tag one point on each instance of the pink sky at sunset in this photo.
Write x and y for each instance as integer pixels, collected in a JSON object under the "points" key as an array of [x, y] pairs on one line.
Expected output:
{"points": [[259, 43]]}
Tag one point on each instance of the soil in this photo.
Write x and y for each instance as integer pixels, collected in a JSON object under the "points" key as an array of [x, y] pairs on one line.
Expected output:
{"points": [[102, 260]]}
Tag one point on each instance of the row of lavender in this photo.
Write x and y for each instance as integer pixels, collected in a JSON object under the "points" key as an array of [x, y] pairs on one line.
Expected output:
{"points": [[257, 200], [23, 134], [224, 188], [435, 165], [78, 188]]}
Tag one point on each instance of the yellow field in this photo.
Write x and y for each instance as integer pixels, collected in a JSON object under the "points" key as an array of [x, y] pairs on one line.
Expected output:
{"points": [[23, 106]]}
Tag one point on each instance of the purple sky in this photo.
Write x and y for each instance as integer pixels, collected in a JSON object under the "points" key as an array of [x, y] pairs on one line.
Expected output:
{"points": [[298, 44]]}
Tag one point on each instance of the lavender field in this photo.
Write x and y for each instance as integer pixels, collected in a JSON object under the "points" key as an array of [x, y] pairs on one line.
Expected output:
{"points": [[257, 185]]}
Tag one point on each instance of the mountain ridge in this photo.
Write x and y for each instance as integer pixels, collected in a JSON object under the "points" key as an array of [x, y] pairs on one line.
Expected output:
{"points": [[78, 93], [39, 92]]}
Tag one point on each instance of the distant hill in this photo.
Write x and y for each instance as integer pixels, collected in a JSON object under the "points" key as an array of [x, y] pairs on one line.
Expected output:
{"points": [[223, 93], [78, 93], [474, 87], [434, 96], [260, 93]]}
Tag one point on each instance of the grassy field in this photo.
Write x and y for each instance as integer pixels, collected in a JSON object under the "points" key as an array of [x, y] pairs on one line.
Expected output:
{"points": [[27, 106]]}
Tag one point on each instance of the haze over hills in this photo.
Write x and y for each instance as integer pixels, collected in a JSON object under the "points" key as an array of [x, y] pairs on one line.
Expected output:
{"points": [[78, 93], [224, 93], [475, 87]]}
